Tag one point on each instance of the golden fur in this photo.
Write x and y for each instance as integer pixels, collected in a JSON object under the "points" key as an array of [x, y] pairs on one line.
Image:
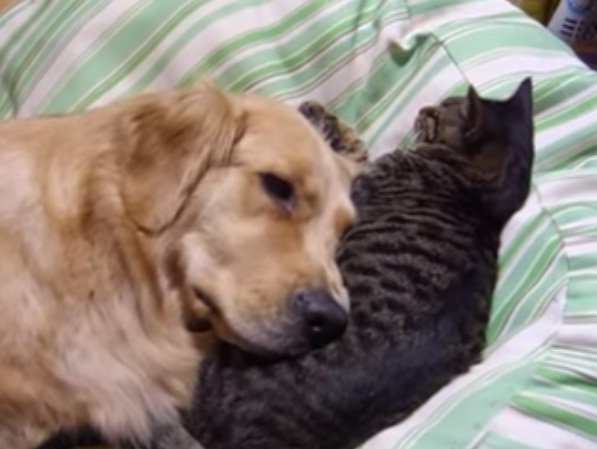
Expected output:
{"points": [[119, 224]]}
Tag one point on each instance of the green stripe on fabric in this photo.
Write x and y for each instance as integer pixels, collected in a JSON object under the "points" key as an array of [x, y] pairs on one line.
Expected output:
{"points": [[433, 6], [24, 35], [498, 19], [580, 108], [139, 53], [53, 37], [290, 57], [356, 103], [555, 154], [38, 34], [423, 65], [562, 377], [470, 44], [455, 424], [121, 39], [556, 415], [212, 60], [336, 57], [254, 37], [553, 94], [521, 310], [575, 357], [569, 214], [579, 155], [389, 105], [535, 227], [580, 261], [580, 318], [582, 111], [584, 160], [566, 388], [569, 368], [495, 441], [542, 256], [531, 308], [11, 12], [11, 47], [578, 404], [581, 294]]}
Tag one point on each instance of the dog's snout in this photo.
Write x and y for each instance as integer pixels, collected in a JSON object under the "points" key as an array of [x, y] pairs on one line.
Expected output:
{"points": [[324, 319]]}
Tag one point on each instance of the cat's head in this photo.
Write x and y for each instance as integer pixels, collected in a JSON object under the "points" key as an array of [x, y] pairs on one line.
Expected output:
{"points": [[495, 138]]}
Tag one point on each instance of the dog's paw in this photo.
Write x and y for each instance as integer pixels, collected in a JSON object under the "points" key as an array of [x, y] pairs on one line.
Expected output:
{"points": [[343, 139]]}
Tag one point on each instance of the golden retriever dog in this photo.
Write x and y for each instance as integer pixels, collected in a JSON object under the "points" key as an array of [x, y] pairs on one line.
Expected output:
{"points": [[125, 227]]}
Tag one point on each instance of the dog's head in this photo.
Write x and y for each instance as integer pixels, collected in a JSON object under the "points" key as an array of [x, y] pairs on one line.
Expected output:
{"points": [[246, 204]]}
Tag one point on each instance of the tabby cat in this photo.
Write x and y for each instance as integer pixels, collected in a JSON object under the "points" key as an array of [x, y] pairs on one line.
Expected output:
{"points": [[420, 265]]}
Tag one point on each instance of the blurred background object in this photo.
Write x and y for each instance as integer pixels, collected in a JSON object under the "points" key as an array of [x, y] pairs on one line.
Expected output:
{"points": [[573, 21], [540, 10]]}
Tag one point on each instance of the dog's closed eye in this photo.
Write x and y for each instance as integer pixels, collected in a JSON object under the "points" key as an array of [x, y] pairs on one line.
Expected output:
{"points": [[279, 190]]}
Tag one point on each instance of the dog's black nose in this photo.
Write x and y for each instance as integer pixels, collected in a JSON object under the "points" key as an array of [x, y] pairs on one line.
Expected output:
{"points": [[325, 320]]}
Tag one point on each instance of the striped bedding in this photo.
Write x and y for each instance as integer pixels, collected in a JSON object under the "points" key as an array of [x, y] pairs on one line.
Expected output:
{"points": [[375, 63]]}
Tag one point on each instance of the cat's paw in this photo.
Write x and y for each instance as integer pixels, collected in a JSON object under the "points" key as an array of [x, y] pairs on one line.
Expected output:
{"points": [[343, 139], [314, 112]]}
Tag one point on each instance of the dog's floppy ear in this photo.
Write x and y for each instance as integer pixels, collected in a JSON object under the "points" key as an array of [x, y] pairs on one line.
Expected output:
{"points": [[178, 137]]}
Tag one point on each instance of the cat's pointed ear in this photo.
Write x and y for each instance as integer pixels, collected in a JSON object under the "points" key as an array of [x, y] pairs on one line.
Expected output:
{"points": [[474, 115], [510, 173], [522, 98]]}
